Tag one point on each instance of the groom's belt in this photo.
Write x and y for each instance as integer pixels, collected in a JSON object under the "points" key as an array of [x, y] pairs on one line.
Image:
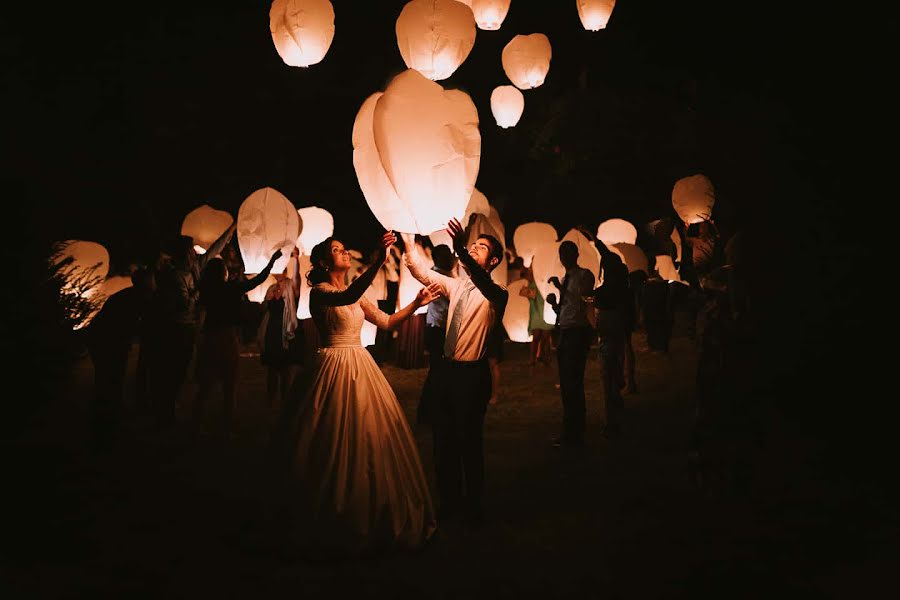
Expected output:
{"points": [[465, 363]]}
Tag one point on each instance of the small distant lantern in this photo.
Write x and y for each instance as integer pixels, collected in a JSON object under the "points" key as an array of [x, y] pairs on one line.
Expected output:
{"points": [[267, 221], [318, 226], [693, 198], [528, 237], [518, 308], [489, 14], [526, 60], [416, 152], [435, 36], [507, 104], [616, 231], [595, 14], [205, 225], [302, 30]]}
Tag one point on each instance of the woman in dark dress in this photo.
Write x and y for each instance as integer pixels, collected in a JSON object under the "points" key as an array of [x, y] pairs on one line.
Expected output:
{"points": [[281, 345]]}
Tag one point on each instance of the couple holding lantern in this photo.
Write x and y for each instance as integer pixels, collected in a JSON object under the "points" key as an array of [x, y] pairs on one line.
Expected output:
{"points": [[353, 461]]}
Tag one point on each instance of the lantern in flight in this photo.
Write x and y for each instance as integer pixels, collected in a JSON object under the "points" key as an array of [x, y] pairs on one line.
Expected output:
{"points": [[594, 14], [507, 104], [416, 152], [526, 60], [435, 36], [302, 30], [267, 221], [489, 14], [693, 198]]}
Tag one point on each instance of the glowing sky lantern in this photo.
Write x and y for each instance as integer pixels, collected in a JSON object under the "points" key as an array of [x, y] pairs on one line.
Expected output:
{"points": [[693, 198], [546, 264], [302, 30], [515, 319], [204, 225], [614, 231], [633, 257], [528, 237], [435, 36], [526, 60], [491, 225], [267, 221], [595, 14], [418, 161], [318, 226], [409, 285], [258, 294], [489, 14], [507, 104]]}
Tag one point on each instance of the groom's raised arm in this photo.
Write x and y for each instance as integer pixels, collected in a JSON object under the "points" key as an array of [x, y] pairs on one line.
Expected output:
{"points": [[420, 269]]}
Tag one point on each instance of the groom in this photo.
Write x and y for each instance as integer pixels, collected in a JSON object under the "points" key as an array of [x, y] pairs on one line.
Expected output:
{"points": [[475, 312]]}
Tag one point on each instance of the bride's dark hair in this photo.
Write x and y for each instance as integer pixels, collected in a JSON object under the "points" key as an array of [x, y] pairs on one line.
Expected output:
{"points": [[321, 253]]}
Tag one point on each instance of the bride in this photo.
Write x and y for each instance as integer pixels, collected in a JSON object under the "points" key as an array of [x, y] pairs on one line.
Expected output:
{"points": [[354, 464]]}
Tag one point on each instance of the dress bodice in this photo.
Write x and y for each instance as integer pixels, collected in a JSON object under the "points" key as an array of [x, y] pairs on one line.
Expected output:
{"points": [[340, 326]]}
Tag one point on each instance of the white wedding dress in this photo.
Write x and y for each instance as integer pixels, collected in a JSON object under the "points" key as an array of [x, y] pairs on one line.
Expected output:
{"points": [[353, 456]]}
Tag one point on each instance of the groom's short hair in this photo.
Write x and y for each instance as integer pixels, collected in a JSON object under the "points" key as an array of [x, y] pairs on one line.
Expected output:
{"points": [[496, 246]]}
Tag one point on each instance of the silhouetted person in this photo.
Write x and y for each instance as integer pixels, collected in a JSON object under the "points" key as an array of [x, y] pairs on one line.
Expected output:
{"points": [[109, 339], [575, 336], [177, 313], [435, 334], [537, 326], [217, 358]]}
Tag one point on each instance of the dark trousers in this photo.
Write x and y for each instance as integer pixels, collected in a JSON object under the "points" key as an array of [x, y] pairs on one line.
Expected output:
{"points": [[458, 434], [109, 382], [434, 344], [173, 353], [572, 352], [612, 359]]}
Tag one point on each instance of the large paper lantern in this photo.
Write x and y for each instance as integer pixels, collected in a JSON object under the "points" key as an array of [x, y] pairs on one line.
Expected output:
{"points": [[693, 198], [546, 264], [302, 30], [435, 36], [528, 237], [507, 104], [616, 231], [515, 319], [204, 225], [416, 152], [526, 60], [633, 257], [318, 226], [491, 225], [594, 14], [409, 286], [478, 205], [258, 294], [489, 14], [267, 221]]}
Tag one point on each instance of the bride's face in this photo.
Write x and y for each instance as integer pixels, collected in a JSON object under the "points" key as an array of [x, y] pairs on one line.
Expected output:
{"points": [[340, 257]]}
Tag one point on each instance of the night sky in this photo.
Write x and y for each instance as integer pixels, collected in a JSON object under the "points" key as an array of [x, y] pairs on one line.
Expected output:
{"points": [[129, 121]]}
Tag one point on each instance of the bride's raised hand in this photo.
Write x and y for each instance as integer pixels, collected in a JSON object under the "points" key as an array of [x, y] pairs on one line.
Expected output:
{"points": [[387, 240], [428, 294]]}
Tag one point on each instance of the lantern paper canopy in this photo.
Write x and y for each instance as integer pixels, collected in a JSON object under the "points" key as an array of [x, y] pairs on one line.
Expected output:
{"points": [[528, 237], [546, 264], [318, 226], [666, 268], [478, 205], [491, 225], [526, 60], [594, 14], [267, 221], [204, 225], [409, 285], [435, 36], [302, 30], [427, 143], [515, 319], [258, 294], [489, 14], [507, 104], [633, 257], [304, 266], [693, 198], [615, 231]]}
